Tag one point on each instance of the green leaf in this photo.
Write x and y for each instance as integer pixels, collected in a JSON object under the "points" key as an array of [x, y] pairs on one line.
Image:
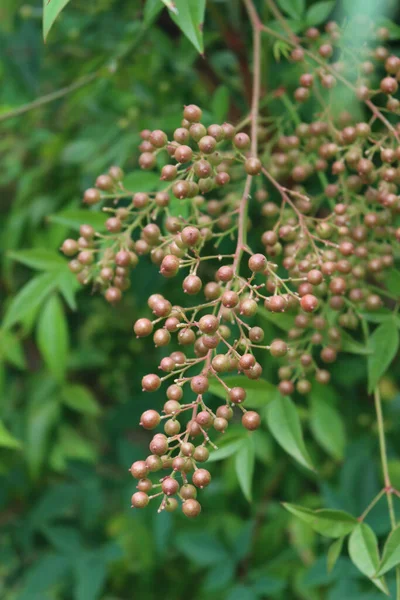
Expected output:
{"points": [[334, 552], [363, 551], [220, 104], [225, 451], [392, 27], [41, 420], [29, 298], [244, 464], [284, 424], [189, 16], [7, 440], [80, 398], [142, 181], [391, 552], [52, 337], [318, 13], [351, 346], [152, 9], [76, 447], [327, 426], [281, 320], [392, 281], [51, 10], [11, 349], [201, 548], [68, 286], [259, 391], [293, 8], [74, 218], [39, 258], [384, 343], [331, 523]]}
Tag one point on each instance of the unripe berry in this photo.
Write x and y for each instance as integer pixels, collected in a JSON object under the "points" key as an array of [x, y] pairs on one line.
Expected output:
{"points": [[170, 486], [201, 478], [150, 419], [192, 113], [237, 395], [309, 303], [252, 166], [143, 327], [188, 491], [113, 295], [241, 141], [151, 383], [201, 454], [158, 138], [251, 420], [139, 500], [191, 508], [257, 263], [278, 348], [199, 384]]}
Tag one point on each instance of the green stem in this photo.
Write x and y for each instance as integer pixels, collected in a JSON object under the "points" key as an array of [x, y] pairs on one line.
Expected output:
{"points": [[372, 504], [385, 469]]}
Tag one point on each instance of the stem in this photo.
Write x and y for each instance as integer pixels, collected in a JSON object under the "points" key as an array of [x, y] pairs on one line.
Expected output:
{"points": [[49, 97], [385, 470]]}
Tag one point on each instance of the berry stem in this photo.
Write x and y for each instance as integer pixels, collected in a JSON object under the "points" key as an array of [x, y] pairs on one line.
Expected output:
{"points": [[385, 469]]}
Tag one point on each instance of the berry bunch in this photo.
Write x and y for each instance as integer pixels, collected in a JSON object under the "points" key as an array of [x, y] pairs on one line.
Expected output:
{"points": [[326, 194]]}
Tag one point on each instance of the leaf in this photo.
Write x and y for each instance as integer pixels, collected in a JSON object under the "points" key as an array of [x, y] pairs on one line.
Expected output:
{"points": [[351, 346], [393, 28], [76, 447], [90, 573], [52, 337], [41, 420], [142, 181], [259, 391], [29, 298], [363, 551], [391, 552], [281, 320], [220, 103], [11, 349], [74, 218], [51, 10], [80, 398], [331, 523], [68, 286], [38, 258], [384, 343], [284, 423], [152, 9], [293, 8], [7, 440], [244, 465], [202, 548], [392, 281], [225, 451], [318, 13], [327, 426], [189, 16], [333, 553]]}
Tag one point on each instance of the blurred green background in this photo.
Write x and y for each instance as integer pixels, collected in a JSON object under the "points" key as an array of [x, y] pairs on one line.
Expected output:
{"points": [[70, 367]]}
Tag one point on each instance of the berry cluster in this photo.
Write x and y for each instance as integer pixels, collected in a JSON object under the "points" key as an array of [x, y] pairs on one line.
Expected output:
{"points": [[326, 194]]}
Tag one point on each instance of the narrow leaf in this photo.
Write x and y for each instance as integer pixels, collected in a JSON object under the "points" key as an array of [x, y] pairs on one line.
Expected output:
{"points": [[318, 13], [244, 464], [152, 9], [391, 552], [7, 440], [225, 451], [327, 426], [334, 552], [189, 16], [331, 523], [79, 398], [384, 343], [51, 10], [74, 218], [38, 258], [52, 337], [364, 553], [29, 298], [293, 8], [284, 423]]}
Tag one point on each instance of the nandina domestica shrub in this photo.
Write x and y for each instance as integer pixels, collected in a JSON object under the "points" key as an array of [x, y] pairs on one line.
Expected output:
{"points": [[290, 219]]}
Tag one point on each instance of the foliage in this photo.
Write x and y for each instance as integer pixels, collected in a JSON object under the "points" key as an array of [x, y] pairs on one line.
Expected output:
{"points": [[71, 368]]}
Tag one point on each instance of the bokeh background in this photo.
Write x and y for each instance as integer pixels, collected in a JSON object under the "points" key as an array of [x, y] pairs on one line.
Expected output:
{"points": [[70, 367]]}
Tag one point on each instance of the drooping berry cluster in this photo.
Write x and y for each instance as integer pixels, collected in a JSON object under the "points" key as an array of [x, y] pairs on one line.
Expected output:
{"points": [[326, 194]]}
